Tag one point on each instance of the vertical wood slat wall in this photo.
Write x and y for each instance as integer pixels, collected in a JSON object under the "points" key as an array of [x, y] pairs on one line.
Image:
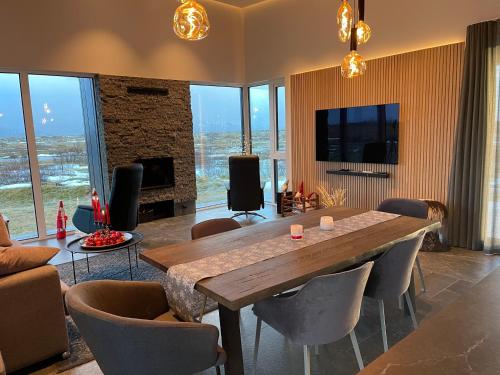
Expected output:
{"points": [[426, 83]]}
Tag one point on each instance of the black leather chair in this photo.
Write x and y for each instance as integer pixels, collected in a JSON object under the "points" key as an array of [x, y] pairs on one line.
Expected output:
{"points": [[123, 201], [245, 193]]}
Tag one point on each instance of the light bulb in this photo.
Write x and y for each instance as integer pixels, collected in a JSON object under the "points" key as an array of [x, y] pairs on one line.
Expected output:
{"points": [[353, 65], [344, 20], [191, 21], [363, 32]]}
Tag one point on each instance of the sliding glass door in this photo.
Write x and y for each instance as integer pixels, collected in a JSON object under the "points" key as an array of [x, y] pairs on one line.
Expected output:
{"points": [[45, 127], [16, 192], [217, 129], [267, 117]]}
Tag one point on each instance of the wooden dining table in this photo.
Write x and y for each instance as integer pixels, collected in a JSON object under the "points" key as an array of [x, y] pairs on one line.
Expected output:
{"points": [[245, 286]]}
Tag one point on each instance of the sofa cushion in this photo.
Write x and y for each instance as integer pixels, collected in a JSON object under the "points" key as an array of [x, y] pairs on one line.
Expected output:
{"points": [[4, 233], [21, 258]]}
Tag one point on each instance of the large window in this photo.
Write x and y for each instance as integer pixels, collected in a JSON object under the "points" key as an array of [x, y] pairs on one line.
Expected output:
{"points": [[217, 128], [16, 193], [56, 104], [45, 122], [267, 116]]}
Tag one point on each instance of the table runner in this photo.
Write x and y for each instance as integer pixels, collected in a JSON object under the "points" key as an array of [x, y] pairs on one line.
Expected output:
{"points": [[188, 303]]}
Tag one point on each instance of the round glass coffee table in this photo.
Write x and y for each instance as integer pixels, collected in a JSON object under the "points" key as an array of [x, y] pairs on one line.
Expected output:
{"points": [[74, 247]]}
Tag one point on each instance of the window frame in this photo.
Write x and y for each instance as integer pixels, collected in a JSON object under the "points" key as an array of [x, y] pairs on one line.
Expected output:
{"points": [[29, 127]]}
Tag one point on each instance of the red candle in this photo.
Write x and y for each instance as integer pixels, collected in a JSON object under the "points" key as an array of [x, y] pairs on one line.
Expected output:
{"points": [[103, 217], [95, 198], [108, 221], [98, 209]]}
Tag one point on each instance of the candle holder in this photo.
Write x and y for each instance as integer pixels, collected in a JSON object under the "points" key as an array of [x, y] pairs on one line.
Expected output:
{"points": [[296, 232], [326, 223]]}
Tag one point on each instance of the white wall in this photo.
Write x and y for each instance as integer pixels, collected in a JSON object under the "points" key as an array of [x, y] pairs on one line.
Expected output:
{"points": [[291, 36], [119, 37]]}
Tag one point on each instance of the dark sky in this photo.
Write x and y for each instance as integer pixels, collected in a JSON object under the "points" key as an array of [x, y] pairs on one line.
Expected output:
{"points": [[56, 106]]}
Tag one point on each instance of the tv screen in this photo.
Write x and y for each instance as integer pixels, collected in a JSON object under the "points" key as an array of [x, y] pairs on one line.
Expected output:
{"points": [[358, 134]]}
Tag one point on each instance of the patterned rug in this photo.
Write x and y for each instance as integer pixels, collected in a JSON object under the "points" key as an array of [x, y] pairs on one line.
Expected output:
{"points": [[110, 266]]}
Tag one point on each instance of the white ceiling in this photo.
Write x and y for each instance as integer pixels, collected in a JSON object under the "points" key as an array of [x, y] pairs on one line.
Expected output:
{"points": [[240, 3]]}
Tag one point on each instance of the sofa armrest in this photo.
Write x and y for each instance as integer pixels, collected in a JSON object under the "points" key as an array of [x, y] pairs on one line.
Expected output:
{"points": [[32, 323]]}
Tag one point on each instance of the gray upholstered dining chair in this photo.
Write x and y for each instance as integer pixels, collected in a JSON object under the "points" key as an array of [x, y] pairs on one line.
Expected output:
{"points": [[130, 329], [325, 310], [407, 207], [213, 226], [390, 278]]}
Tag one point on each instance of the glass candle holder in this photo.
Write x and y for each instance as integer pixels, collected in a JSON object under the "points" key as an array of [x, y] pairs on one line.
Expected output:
{"points": [[326, 223], [296, 232]]}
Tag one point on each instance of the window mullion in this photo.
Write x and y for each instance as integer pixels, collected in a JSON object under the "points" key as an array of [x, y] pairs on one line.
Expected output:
{"points": [[32, 155]]}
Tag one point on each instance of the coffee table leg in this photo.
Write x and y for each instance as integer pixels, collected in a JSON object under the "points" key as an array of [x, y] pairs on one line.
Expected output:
{"points": [[73, 262], [231, 340], [88, 267], [129, 263], [136, 259]]}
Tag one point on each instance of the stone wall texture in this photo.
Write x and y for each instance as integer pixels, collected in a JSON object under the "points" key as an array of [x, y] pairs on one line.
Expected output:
{"points": [[149, 124]]}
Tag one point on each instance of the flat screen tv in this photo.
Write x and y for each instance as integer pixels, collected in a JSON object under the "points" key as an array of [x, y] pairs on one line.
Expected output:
{"points": [[358, 134]]}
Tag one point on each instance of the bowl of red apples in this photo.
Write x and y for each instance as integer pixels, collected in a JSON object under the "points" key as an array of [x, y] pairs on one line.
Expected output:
{"points": [[105, 238]]}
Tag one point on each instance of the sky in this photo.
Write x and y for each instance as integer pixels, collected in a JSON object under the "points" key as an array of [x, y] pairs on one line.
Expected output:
{"points": [[57, 109], [57, 99]]}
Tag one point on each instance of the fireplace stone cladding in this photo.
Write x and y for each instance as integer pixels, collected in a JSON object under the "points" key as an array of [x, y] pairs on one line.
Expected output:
{"points": [[144, 118]]}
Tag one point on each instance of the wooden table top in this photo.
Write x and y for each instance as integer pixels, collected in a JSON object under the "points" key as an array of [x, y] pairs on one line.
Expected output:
{"points": [[463, 338], [248, 285]]}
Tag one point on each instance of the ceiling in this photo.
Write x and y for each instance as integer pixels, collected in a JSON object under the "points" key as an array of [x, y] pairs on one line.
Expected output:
{"points": [[241, 3]]}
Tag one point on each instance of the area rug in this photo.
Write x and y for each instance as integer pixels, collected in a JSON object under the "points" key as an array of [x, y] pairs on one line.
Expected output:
{"points": [[110, 266]]}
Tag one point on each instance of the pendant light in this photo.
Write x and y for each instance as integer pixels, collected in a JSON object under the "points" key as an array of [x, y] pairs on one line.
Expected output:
{"points": [[363, 31], [191, 21], [344, 21], [353, 64]]}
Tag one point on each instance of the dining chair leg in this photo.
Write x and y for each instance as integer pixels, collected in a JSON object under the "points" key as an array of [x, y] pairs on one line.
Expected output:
{"points": [[217, 370], [307, 360], [421, 275], [257, 342], [382, 324], [357, 352], [410, 307]]}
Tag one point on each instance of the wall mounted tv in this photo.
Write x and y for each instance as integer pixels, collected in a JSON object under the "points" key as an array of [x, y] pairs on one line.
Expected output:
{"points": [[358, 134]]}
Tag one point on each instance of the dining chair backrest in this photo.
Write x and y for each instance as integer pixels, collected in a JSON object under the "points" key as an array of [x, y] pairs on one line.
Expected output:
{"points": [[327, 308], [391, 274], [213, 226], [403, 206], [116, 320]]}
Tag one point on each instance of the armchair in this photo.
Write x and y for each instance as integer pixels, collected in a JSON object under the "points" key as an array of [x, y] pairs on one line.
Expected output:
{"points": [[245, 192], [123, 201]]}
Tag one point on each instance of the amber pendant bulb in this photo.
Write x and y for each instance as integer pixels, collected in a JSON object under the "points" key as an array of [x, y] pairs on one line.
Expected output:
{"points": [[344, 21], [191, 21], [363, 32]]}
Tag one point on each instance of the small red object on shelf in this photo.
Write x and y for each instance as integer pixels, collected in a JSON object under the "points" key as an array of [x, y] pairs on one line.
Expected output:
{"points": [[61, 222]]}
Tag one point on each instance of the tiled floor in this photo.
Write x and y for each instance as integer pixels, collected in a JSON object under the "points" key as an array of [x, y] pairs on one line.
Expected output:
{"points": [[447, 275]]}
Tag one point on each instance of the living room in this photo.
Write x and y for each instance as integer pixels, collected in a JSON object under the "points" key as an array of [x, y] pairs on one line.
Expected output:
{"points": [[220, 156]]}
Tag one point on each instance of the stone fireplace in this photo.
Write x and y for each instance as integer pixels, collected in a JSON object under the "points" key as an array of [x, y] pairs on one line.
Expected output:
{"points": [[149, 121]]}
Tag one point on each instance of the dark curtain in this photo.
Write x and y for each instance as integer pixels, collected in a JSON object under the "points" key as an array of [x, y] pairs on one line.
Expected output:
{"points": [[466, 194]]}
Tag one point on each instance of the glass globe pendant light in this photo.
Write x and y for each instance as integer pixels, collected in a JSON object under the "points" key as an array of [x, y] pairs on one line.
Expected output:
{"points": [[353, 64], [191, 21], [363, 31], [344, 21]]}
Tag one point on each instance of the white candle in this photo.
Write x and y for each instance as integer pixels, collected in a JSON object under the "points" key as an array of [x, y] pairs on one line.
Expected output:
{"points": [[326, 223], [296, 231]]}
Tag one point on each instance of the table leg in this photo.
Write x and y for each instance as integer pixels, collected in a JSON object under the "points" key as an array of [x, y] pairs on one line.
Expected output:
{"points": [[129, 263], [73, 262], [231, 340], [88, 267], [136, 259]]}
